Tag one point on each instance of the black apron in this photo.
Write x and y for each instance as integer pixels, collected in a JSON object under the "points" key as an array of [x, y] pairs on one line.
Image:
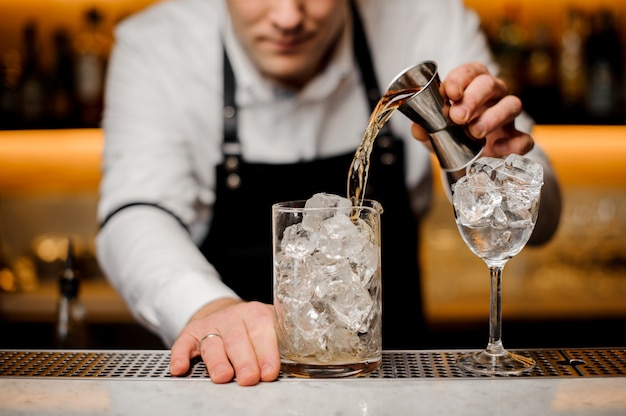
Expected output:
{"points": [[239, 243]]}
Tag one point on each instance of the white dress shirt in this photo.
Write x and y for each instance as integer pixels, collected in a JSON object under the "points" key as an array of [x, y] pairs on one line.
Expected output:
{"points": [[163, 127]]}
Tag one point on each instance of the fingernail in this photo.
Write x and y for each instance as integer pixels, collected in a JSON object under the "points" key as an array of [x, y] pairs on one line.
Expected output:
{"points": [[247, 377], [266, 370], [458, 115], [477, 130], [174, 366], [245, 373]]}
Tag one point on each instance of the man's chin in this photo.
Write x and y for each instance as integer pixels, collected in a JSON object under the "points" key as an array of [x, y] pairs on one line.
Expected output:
{"points": [[287, 73]]}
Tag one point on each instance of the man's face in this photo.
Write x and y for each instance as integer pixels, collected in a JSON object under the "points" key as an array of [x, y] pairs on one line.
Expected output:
{"points": [[288, 40]]}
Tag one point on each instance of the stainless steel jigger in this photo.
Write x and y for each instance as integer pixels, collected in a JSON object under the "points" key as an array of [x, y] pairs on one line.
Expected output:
{"points": [[429, 108]]}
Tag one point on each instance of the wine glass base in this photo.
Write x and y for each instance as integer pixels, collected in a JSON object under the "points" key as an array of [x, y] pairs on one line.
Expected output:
{"points": [[505, 364]]}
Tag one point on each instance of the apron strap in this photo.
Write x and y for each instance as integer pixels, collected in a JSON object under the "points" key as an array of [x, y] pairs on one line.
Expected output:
{"points": [[231, 149], [364, 58], [230, 106]]}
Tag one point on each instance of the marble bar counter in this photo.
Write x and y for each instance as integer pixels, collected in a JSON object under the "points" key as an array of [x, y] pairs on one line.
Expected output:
{"points": [[565, 382]]}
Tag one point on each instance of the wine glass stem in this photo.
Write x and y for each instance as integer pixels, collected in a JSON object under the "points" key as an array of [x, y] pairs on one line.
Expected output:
{"points": [[495, 346]]}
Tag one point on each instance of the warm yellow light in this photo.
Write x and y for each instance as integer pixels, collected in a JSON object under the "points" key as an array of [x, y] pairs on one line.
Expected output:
{"points": [[50, 161], [7, 281]]}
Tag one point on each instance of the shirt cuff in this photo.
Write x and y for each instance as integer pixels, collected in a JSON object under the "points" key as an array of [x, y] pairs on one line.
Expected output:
{"points": [[182, 299]]}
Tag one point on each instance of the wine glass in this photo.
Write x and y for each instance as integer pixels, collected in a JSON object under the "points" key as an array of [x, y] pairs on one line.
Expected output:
{"points": [[496, 218]]}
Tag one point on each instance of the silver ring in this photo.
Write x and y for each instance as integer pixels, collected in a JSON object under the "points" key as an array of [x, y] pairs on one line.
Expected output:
{"points": [[212, 334]]}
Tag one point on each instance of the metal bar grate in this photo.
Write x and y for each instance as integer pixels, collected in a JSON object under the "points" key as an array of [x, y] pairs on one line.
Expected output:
{"points": [[395, 364]]}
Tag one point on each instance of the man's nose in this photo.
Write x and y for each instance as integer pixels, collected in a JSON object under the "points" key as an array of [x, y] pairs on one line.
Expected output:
{"points": [[287, 14]]}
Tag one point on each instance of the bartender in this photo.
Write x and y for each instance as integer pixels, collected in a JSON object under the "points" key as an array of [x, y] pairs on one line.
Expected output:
{"points": [[216, 109]]}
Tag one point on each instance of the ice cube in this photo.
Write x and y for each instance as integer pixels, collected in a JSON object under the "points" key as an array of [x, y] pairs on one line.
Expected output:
{"points": [[351, 303], [326, 206], [487, 165], [519, 170], [309, 324], [519, 206], [325, 200], [365, 263], [326, 274], [298, 242], [312, 319], [337, 236], [475, 198], [341, 341], [499, 218]]}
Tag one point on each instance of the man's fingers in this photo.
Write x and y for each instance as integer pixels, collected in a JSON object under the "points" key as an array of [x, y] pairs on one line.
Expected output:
{"points": [[483, 92], [460, 77], [263, 338], [215, 360], [243, 360], [502, 113], [238, 346], [517, 142], [184, 349]]}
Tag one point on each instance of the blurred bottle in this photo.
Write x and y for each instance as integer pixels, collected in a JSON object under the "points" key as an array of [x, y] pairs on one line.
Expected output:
{"points": [[572, 76], [71, 325], [62, 98], [8, 282], [92, 48], [605, 69], [10, 74], [540, 94], [508, 47], [32, 94]]}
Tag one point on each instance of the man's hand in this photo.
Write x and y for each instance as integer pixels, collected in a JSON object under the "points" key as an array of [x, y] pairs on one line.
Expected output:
{"points": [[482, 103], [245, 347]]}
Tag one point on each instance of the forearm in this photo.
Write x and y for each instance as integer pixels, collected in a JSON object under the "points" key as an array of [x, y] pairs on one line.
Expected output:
{"points": [[151, 260]]}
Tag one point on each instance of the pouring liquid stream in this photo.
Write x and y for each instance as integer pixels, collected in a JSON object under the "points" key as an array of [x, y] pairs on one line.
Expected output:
{"points": [[359, 169]]}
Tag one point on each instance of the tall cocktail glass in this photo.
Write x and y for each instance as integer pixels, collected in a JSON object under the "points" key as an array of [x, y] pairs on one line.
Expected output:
{"points": [[327, 286]]}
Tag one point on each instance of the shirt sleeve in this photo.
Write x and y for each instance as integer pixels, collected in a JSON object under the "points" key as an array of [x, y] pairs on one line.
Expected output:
{"points": [[157, 269], [150, 157]]}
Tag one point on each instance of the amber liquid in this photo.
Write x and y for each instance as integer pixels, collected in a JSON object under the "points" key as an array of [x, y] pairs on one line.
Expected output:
{"points": [[359, 169]]}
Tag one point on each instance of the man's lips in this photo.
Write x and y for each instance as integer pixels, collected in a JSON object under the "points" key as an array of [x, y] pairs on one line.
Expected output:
{"points": [[287, 45]]}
